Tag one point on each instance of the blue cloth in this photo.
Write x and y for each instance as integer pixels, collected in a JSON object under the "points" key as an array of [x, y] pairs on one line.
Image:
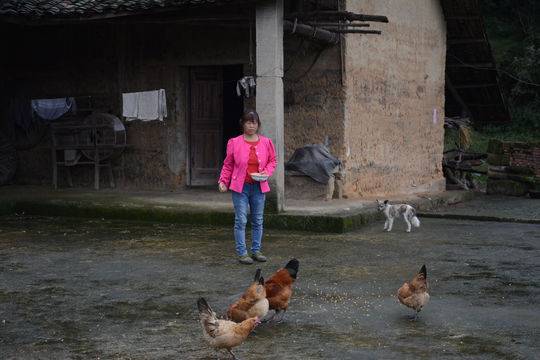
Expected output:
{"points": [[251, 196], [52, 109]]}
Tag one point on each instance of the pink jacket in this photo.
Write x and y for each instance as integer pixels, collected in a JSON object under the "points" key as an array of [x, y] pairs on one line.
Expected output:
{"points": [[233, 172]]}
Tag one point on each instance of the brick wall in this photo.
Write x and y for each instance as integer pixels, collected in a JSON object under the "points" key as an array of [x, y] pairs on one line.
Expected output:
{"points": [[514, 168]]}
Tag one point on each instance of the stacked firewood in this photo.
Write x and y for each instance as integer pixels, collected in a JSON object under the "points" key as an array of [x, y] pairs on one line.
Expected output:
{"points": [[459, 165]]}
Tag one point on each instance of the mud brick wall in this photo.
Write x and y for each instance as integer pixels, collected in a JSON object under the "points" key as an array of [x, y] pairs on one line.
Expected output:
{"points": [[394, 111], [514, 168]]}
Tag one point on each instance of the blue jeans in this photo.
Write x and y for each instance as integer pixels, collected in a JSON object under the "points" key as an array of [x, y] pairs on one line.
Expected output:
{"points": [[251, 195]]}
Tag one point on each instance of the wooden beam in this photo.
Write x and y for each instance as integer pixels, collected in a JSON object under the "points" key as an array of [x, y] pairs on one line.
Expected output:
{"points": [[336, 24], [465, 41], [474, 86], [472, 65], [353, 31], [455, 94], [485, 105], [463, 18], [170, 14], [315, 33], [343, 15]]}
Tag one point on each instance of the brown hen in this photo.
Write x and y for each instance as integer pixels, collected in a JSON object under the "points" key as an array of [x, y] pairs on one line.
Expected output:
{"points": [[414, 293], [252, 303], [279, 288]]}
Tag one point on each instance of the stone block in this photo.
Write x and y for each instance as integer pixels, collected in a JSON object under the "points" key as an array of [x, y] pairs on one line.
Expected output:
{"points": [[498, 159], [497, 174], [521, 146], [506, 187], [530, 180], [303, 187], [521, 170]]}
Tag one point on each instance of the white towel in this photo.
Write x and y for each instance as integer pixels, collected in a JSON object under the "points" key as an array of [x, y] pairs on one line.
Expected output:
{"points": [[145, 105]]}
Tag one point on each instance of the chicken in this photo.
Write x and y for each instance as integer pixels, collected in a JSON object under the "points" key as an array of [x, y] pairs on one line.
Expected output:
{"points": [[252, 303], [279, 288], [414, 294], [223, 334]]}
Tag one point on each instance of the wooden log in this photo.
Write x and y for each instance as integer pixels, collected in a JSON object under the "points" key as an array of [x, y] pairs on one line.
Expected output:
{"points": [[464, 169], [316, 33], [351, 31], [332, 14], [335, 24], [450, 176]]}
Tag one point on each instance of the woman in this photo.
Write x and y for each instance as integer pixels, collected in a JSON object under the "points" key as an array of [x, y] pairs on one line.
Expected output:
{"points": [[248, 154]]}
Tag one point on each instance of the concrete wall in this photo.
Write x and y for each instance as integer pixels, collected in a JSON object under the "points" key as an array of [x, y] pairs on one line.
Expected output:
{"points": [[106, 60], [395, 99]]}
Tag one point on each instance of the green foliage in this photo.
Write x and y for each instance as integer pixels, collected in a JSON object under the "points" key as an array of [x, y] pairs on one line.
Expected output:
{"points": [[513, 28], [480, 139]]}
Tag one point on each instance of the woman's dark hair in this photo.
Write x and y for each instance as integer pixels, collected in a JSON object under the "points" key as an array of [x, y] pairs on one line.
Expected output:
{"points": [[250, 115]]}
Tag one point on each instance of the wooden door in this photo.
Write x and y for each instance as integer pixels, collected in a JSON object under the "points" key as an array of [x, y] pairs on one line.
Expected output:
{"points": [[206, 124]]}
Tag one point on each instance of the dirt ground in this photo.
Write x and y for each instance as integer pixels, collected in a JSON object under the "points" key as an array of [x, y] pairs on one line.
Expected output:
{"points": [[88, 289]]}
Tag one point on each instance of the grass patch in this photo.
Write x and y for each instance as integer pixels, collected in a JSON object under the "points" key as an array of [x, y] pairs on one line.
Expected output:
{"points": [[481, 137]]}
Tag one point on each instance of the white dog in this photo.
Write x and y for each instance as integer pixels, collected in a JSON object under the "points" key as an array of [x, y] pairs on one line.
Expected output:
{"points": [[393, 211]]}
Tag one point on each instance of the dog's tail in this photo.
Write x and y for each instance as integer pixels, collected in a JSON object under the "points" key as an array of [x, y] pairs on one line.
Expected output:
{"points": [[414, 219]]}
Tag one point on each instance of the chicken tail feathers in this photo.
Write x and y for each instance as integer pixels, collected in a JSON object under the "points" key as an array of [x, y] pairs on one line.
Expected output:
{"points": [[292, 267], [257, 275], [203, 306], [423, 271], [208, 318]]}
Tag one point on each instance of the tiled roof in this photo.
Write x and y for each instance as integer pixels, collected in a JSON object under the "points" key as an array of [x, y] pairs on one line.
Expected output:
{"points": [[91, 8]]}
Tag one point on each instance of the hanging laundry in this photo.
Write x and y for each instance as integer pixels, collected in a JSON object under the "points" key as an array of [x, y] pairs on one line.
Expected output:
{"points": [[246, 86], [145, 105], [52, 109]]}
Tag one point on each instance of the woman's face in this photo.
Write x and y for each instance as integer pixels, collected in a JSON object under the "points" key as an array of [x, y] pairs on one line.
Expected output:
{"points": [[251, 127]]}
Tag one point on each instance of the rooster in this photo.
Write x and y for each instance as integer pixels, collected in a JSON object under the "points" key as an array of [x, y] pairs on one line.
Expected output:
{"points": [[414, 294], [223, 334], [252, 303], [279, 288]]}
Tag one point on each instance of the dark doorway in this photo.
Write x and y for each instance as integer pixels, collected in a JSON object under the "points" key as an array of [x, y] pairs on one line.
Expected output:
{"points": [[215, 111]]}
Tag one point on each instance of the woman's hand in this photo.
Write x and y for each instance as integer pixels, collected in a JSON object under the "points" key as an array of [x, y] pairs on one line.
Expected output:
{"points": [[222, 187]]}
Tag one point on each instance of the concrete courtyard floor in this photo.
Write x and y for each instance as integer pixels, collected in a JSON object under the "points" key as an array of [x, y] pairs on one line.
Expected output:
{"points": [[89, 289]]}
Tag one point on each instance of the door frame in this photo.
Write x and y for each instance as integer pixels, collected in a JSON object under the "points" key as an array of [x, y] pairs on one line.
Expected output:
{"points": [[189, 92]]}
